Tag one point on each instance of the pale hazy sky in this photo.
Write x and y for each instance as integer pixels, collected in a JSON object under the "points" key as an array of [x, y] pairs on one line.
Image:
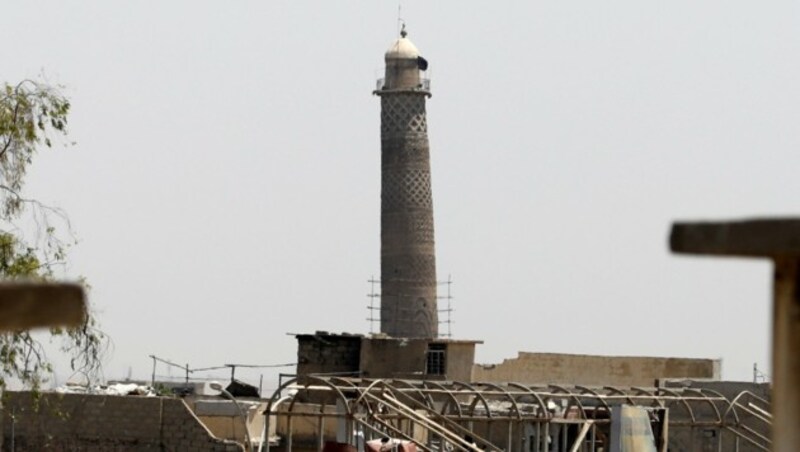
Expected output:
{"points": [[226, 182]]}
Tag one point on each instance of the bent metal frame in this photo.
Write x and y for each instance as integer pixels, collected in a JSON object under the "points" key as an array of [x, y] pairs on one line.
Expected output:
{"points": [[508, 417]]}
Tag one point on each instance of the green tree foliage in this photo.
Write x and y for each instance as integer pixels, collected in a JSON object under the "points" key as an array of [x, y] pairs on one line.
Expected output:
{"points": [[32, 116]]}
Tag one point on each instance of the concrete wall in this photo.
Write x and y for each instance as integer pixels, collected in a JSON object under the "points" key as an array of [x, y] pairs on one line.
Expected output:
{"points": [[460, 359], [393, 358], [224, 420], [380, 357], [328, 353], [306, 429], [592, 370], [406, 358], [77, 422]]}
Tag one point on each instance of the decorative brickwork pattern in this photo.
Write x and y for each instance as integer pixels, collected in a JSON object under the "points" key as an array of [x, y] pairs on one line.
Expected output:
{"points": [[409, 269], [408, 262], [406, 190], [403, 114], [411, 151], [419, 227], [77, 422]]}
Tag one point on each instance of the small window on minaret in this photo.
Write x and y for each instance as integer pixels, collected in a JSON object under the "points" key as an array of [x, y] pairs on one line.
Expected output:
{"points": [[436, 362]]}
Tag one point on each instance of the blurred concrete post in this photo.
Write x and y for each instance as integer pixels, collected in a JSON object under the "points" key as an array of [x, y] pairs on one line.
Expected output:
{"points": [[778, 240], [28, 305], [786, 355]]}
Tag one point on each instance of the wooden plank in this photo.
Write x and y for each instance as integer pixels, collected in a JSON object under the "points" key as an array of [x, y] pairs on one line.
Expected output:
{"points": [[777, 237], [581, 435], [27, 305]]}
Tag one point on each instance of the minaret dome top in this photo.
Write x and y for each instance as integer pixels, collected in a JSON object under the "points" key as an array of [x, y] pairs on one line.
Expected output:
{"points": [[402, 49], [403, 66]]}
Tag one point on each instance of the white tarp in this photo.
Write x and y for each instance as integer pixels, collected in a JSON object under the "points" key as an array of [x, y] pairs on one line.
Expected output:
{"points": [[631, 430], [120, 389]]}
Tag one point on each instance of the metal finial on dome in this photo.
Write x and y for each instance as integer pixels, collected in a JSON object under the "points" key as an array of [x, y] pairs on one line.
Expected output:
{"points": [[403, 32]]}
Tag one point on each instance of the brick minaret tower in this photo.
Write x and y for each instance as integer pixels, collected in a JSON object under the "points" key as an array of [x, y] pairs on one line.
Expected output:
{"points": [[408, 261]]}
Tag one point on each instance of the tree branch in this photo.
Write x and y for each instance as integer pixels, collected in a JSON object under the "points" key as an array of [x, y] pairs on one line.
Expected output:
{"points": [[10, 137]]}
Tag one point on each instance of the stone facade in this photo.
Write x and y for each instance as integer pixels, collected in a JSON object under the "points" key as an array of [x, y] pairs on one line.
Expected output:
{"points": [[323, 353], [384, 357], [78, 422], [594, 370]]}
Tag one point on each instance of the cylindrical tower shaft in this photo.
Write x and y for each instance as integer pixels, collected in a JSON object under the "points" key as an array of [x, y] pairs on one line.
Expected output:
{"points": [[408, 262]]}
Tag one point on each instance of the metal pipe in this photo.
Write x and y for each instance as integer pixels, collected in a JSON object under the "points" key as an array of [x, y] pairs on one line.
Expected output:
{"points": [[218, 387], [320, 432], [289, 433]]}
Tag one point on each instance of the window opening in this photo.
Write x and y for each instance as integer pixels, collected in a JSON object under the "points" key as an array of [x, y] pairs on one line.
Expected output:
{"points": [[435, 363]]}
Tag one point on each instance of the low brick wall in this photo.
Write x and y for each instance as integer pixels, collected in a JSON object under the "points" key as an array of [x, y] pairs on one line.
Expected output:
{"points": [[594, 370], [78, 422]]}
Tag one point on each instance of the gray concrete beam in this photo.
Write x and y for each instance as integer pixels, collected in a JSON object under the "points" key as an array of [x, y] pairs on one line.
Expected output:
{"points": [[746, 238]]}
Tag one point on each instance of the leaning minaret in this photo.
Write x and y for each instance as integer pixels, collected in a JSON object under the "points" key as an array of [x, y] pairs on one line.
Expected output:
{"points": [[408, 262]]}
